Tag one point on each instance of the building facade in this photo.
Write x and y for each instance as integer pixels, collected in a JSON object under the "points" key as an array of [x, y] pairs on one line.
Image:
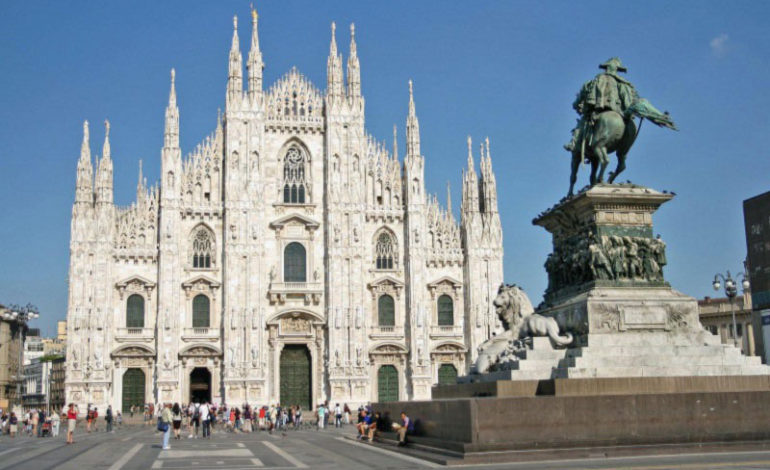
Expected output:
{"points": [[756, 218], [716, 316], [290, 257], [12, 334]]}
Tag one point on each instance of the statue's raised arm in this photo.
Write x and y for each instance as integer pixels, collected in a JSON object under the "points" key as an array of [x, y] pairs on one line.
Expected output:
{"points": [[607, 105]]}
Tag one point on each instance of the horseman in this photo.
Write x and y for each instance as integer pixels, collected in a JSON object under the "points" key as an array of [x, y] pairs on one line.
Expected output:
{"points": [[608, 91]]}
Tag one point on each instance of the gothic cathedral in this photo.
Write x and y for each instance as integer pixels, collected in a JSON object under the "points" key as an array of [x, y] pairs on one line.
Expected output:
{"points": [[289, 258]]}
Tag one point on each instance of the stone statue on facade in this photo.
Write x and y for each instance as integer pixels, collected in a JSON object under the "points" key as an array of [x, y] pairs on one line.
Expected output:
{"points": [[515, 310], [607, 105]]}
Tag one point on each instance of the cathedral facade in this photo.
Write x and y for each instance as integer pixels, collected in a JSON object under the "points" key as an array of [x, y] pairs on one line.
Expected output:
{"points": [[290, 257]]}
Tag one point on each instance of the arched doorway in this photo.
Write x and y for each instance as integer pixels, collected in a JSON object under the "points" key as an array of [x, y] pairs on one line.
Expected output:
{"points": [[133, 389], [447, 374], [295, 376], [200, 385], [387, 384]]}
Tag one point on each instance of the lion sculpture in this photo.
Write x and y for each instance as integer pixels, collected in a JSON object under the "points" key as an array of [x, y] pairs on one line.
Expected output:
{"points": [[520, 321]]}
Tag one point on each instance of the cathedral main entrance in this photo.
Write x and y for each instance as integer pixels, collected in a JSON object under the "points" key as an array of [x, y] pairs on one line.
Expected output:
{"points": [[200, 385], [387, 383], [295, 376], [133, 389]]}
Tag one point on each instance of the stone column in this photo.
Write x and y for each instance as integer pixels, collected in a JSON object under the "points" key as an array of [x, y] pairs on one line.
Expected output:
{"points": [[748, 331]]}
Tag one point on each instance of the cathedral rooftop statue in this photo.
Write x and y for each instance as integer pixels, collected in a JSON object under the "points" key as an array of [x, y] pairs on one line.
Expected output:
{"points": [[607, 105]]}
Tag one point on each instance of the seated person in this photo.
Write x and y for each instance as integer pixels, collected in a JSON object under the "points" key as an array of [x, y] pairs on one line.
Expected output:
{"points": [[364, 425], [374, 425], [403, 428]]}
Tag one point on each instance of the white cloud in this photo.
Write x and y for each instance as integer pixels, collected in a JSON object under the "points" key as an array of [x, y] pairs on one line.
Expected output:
{"points": [[719, 45]]}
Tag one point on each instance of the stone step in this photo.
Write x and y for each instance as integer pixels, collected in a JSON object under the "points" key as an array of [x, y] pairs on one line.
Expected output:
{"points": [[652, 339], [656, 360], [663, 350], [543, 355], [663, 371]]}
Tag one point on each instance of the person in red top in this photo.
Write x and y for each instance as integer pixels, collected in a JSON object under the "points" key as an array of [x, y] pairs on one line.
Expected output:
{"points": [[72, 419]]}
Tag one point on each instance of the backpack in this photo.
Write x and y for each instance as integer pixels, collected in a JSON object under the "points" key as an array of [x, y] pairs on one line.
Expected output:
{"points": [[197, 412]]}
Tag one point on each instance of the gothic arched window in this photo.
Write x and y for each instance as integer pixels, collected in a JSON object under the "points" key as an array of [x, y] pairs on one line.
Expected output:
{"points": [[135, 311], [202, 248], [294, 177], [294, 263], [201, 312], [386, 311], [385, 250], [446, 311]]}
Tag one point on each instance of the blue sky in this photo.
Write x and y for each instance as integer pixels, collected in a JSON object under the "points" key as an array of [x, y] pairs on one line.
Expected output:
{"points": [[507, 70]]}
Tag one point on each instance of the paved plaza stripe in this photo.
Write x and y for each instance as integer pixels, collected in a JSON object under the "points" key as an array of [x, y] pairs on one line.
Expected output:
{"points": [[10, 450], [240, 444], [202, 454], [157, 464], [284, 454], [257, 462], [126, 457], [391, 453]]}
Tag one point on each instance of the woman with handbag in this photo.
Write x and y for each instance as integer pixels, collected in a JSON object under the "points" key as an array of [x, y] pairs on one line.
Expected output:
{"points": [[164, 424]]}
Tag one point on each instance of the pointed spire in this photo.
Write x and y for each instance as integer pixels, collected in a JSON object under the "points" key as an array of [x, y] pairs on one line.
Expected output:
{"points": [[395, 143], [471, 166], [235, 72], [84, 184], [171, 132], [140, 184], [488, 182], [104, 171], [412, 127], [354, 67], [85, 147], [106, 147], [448, 199], [334, 85], [255, 64]]}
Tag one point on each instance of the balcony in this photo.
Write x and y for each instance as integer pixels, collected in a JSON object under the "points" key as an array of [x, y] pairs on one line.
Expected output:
{"points": [[446, 331], [385, 332], [135, 334], [310, 291], [200, 333]]}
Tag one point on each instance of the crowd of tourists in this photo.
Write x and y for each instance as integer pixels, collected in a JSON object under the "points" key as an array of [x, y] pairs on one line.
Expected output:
{"points": [[39, 423], [197, 420]]}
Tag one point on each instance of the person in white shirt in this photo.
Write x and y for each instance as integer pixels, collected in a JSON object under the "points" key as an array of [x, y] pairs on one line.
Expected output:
{"points": [[205, 420], [337, 416], [55, 421]]}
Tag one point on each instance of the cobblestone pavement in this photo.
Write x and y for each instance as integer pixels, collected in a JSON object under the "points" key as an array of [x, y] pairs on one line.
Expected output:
{"points": [[133, 448]]}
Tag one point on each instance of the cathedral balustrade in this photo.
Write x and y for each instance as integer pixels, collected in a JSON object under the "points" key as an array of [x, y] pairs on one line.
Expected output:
{"points": [[377, 332], [200, 333], [446, 331], [311, 291], [134, 334]]}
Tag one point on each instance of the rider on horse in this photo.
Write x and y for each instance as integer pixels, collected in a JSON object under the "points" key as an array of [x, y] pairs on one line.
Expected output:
{"points": [[607, 91]]}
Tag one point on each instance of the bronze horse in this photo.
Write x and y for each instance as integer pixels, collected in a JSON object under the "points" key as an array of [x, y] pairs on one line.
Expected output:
{"points": [[613, 132]]}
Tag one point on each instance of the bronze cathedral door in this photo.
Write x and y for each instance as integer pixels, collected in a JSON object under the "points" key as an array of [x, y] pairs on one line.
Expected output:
{"points": [[295, 376]]}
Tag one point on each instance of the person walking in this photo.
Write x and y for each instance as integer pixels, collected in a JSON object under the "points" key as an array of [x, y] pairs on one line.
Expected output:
{"points": [[119, 419], [165, 425], [55, 422], [337, 416], [72, 420], [13, 424], [205, 413], [346, 410], [108, 417], [321, 416], [176, 413]]}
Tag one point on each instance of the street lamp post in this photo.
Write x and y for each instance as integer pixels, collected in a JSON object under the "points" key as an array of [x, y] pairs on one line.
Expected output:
{"points": [[21, 316], [731, 290]]}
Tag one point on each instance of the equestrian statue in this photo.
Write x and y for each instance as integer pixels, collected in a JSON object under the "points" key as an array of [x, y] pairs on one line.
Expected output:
{"points": [[607, 105]]}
